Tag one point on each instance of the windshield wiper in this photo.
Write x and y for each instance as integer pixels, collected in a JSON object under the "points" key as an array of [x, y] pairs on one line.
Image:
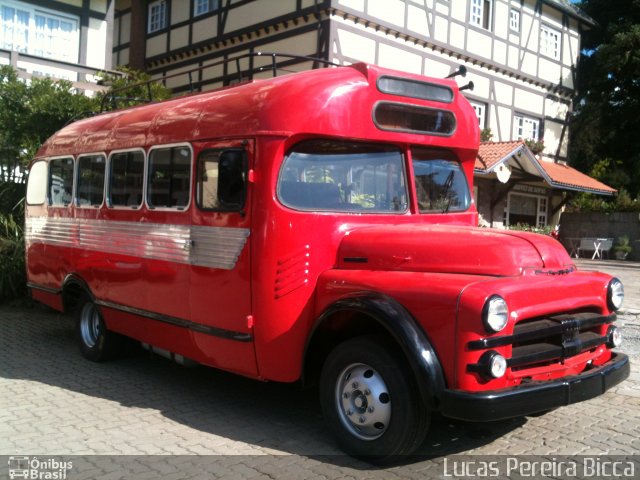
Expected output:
{"points": [[445, 195]]}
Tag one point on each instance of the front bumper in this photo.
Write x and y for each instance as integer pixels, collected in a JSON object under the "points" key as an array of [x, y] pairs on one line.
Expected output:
{"points": [[535, 397]]}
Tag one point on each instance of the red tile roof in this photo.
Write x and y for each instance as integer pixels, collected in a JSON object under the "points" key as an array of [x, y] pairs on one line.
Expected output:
{"points": [[556, 175], [491, 153], [566, 176]]}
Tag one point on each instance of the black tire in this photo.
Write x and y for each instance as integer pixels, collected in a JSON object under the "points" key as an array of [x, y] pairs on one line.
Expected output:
{"points": [[96, 342], [362, 373]]}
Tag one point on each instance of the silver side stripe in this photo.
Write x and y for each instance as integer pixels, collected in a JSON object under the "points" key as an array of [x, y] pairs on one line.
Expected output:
{"points": [[213, 247]]}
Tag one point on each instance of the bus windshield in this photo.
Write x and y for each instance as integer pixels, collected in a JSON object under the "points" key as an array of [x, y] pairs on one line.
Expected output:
{"points": [[325, 175], [441, 185]]}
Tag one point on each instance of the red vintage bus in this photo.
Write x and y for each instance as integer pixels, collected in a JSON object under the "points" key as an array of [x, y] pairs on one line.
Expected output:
{"points": [[317, 227]]}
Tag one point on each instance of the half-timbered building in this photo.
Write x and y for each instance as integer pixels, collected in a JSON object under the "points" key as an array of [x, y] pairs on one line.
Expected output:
{"points": [[63, 39], [520, 55]]}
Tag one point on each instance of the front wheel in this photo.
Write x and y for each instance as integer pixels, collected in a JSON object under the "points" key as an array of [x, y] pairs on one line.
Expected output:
{"points": [[96, 342], [369, 398]]}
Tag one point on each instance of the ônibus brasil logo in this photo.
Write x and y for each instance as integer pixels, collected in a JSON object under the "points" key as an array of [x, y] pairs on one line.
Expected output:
{"points": [[38, 469]]}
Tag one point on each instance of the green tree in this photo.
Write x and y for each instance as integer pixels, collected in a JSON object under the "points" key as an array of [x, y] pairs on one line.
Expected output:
{"points": [[131, 88], [606, 121], [29, 114]]}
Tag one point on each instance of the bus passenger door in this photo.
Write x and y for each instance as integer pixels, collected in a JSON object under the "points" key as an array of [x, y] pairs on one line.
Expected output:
{"points": [[220, 293]]}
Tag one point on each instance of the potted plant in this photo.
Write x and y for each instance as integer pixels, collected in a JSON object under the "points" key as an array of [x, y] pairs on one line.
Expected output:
{"points": [[622, 248], [536, 146]]}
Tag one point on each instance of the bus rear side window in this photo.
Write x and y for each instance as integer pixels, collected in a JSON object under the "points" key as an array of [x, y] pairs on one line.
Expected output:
{"points": [[126, 179], [169, 183], [90, 182], [400, 117], [221, 180], [60, 181], [37, 184]]}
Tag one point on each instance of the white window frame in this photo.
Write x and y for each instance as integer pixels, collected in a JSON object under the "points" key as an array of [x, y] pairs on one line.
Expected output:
{"points": [[18, 33], [550, 42], [514, 20], [157, 16], [526, 128], [481, 113], [200, 7], [475, 13], [47, 41], [481, 13], [541, 208]]}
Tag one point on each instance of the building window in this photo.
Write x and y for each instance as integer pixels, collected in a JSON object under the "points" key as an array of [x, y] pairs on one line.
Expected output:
{"points": [[514, 20], [14, 28], [54, 36], [550, 42], [481, 12], [157, 16], [201, 7], [481, 113], [526, 210], [38, 32], [526, 128]]}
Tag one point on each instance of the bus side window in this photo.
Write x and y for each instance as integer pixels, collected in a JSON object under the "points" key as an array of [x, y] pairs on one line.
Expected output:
{"points": [[60, 181], [169, 178], [222, 180], [37, 184], [126, 178], [90, 181]]}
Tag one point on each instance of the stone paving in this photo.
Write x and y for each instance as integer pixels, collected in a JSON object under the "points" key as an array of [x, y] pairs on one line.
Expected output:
{"points": [[53, 402]]}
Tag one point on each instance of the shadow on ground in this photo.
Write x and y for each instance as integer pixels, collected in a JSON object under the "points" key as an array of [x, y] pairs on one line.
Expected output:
{"points": [[39, 345]]}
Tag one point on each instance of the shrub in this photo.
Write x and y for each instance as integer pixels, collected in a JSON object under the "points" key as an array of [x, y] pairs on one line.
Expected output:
{"points": [[486, 135], [12, 267], [623, 245], [587, 202], [546, 230]]}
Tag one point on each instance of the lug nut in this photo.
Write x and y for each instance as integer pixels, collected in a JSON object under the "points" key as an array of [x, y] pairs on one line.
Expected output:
{"points": [[349, 412], [345, 395], [354, 384], [362, 419], [367, 392], [370, 409]]}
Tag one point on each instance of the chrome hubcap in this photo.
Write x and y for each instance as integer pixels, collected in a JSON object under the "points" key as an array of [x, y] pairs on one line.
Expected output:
{"points": [[363, 401], [89, 325]]}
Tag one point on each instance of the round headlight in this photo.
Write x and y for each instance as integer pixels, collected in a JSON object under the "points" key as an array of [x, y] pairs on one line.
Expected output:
{"points": [[614, 337], [495, 314], [497, 365], [492, 365], [615, 294]]}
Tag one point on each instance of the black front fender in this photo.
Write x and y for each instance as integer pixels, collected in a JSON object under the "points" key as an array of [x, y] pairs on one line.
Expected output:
{"points": [[404, 331]]}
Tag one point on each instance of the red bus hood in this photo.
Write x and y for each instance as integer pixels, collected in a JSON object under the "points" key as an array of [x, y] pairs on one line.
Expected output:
{"points": [[449, 249]]}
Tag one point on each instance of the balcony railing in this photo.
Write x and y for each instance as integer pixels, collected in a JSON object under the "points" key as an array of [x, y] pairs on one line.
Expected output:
{"points": [[82, 77]]}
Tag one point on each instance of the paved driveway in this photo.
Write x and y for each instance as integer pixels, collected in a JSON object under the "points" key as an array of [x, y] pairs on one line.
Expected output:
{"points": [[53, 402]]}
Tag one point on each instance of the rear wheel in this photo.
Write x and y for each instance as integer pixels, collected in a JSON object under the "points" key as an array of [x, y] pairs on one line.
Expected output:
{"points": [[96, 342], [370, 400]]}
